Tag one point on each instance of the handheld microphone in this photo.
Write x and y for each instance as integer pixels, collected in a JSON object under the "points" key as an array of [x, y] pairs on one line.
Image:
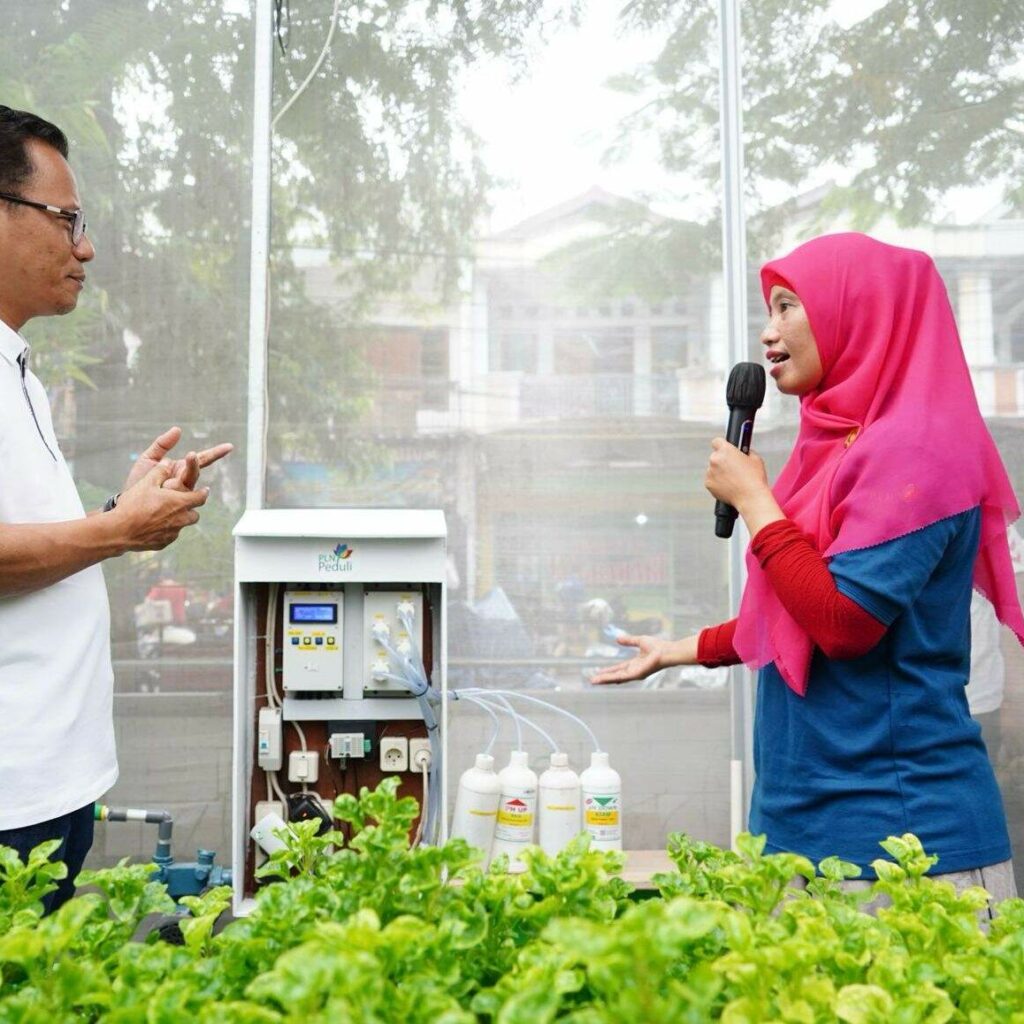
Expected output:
{"points": [[744, 394]]}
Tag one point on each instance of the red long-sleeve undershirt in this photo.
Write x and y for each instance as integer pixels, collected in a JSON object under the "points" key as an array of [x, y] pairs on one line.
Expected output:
{"points": [[801, 580]]}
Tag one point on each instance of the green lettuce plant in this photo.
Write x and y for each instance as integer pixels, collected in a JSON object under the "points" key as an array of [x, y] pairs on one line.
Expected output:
{"points": [[361, 928]]}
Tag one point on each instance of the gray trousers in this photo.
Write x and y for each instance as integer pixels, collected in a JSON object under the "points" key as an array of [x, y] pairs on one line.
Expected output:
{"points": [[996, 879]]}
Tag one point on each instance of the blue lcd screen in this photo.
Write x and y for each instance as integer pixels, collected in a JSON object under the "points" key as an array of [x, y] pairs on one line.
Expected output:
{"points": [[314, 613]]}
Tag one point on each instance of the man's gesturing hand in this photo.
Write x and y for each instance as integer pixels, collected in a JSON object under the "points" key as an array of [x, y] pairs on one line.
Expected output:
{"points": [[184, 472], [151, 516]]}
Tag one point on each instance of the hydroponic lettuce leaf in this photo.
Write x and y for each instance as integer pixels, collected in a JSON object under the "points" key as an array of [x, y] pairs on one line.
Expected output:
{"points": [[368, 930]]}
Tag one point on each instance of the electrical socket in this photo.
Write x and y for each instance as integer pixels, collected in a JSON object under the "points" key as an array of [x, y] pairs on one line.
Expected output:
{"points": [[394, 754], [420, 754], [265, 807], [264, 833]]}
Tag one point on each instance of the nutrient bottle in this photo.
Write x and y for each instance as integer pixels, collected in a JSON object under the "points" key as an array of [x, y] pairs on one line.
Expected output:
{"points": [[602, 803], [517, 809], [558, 805], [476, 805]]}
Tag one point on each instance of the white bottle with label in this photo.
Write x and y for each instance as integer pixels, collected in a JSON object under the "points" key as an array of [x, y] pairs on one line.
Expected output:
{"points": [[517, 809], [558, 805], [476, 805], [602, 803]]}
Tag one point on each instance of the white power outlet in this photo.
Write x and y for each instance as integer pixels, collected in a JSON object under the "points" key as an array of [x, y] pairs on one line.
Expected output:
{"points": [[275, 810], [394, 754], [265, 807], [420, 754], [264, 833]]}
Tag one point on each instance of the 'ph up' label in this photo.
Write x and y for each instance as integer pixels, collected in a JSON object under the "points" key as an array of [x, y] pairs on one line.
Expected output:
{"points": [[515, 818], [516, 810]]}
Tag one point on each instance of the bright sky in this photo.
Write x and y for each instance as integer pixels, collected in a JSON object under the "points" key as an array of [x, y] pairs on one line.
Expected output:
{"points": [[545, 135]]}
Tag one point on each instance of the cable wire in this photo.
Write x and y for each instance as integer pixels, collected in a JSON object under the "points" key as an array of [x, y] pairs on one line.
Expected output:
{"points": [[497, 726], [423, 808], [468, 693], [508, 709], [274, 789], [527, 721], [543, 703], [312, 74], [268, 650], [413, 677]]}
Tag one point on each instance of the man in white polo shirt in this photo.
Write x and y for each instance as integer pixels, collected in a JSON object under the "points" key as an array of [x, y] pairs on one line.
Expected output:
{"points": [[56, 729]]}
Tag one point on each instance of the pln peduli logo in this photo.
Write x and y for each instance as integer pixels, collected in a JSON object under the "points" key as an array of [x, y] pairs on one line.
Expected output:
{"points": [[336, 560]]}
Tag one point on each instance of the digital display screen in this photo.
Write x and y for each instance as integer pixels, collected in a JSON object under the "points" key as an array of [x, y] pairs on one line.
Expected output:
{"points": [[314, 613]]}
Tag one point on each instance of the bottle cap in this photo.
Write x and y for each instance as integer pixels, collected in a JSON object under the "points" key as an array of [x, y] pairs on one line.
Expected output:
{"points": [[599, 759], [519, 759], [559, 760], [485, 762]]}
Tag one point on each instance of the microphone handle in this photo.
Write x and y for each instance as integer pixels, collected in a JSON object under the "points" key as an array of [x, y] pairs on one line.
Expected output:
{"points": [[739, 432]]}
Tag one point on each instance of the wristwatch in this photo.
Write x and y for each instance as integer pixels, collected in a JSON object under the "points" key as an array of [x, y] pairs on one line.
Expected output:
{"points": [[111, 503]]}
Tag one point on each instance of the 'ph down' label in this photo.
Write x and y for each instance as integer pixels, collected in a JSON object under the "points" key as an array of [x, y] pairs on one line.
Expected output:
{"points": [[601, 816]]}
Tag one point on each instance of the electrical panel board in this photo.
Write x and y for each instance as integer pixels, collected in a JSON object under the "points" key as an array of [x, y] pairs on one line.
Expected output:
{"points": [[336, 610]]}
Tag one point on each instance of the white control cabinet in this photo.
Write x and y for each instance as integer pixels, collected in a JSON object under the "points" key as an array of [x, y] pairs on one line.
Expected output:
{"points": [[339, 580]]}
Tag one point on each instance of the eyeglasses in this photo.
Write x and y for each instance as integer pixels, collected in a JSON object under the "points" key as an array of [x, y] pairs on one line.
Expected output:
{"points": [[76, 217]]}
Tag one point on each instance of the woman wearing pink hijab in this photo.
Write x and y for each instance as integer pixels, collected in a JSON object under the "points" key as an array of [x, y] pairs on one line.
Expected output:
{"points": [[892, 506]]}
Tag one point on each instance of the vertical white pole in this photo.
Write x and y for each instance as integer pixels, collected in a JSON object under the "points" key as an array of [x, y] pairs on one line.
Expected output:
{"points": [[256, 456], [734, 270]]}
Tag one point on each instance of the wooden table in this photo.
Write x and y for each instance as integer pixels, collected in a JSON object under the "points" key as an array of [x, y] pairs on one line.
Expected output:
{"points": [[641, 865]]}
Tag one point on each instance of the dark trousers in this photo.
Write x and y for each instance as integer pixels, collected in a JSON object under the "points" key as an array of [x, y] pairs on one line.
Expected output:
{"points": [[74, 830]]}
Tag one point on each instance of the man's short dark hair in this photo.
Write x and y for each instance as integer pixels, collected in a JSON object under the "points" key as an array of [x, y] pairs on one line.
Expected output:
{"points": [[16, 128]]}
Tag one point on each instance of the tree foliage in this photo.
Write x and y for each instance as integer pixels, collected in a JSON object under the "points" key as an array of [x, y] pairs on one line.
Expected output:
{"points": [[918, 98], [372, 162]]}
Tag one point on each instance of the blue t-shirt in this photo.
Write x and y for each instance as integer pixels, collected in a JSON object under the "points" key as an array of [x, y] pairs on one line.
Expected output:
{"points": [[884, 744]]}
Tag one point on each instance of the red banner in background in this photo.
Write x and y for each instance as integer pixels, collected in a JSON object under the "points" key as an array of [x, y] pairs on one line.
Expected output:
{"points": [[645, 570]]}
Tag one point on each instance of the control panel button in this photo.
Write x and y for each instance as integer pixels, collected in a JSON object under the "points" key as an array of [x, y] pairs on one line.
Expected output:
{"points": [[319, 641], [295, 640]]}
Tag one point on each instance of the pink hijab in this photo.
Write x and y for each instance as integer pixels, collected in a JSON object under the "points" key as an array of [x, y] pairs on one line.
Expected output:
{"points": [[891, 441]]}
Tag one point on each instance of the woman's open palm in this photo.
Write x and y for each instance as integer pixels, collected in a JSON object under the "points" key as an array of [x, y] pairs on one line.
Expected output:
{"points": [[649, 660]]}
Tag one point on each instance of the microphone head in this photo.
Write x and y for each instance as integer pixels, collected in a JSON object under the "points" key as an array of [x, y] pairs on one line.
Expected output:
{"points": [[746, 386]]}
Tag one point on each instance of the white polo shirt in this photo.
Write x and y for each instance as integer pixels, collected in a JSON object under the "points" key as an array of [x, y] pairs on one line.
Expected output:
{"points": [[988, 669], [56, 682]]}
